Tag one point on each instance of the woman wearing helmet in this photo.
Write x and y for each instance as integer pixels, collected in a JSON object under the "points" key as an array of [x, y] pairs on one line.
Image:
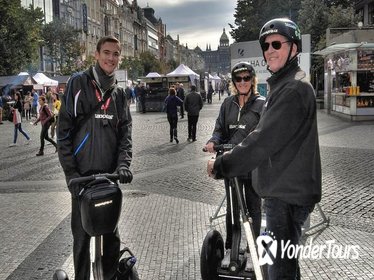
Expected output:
{"points": [[238, 116], [284, 146]]}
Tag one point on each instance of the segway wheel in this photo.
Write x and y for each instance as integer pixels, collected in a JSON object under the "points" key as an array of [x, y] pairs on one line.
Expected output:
{"points": [[133, 275], [211, 255], [60, 275]]}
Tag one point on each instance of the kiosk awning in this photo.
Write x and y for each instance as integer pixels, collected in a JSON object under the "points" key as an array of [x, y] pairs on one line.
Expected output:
{"points": [[344, 47]]}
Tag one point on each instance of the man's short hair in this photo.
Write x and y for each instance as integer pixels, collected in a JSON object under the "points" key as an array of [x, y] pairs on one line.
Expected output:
{"points": [[193, 87], [105, 39]]}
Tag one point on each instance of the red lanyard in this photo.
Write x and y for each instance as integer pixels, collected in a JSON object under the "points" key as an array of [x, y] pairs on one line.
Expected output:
{"points": [[104, 106]]}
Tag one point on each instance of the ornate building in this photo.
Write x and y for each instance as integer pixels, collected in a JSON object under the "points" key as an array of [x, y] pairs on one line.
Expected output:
{"points": [[217, 61]]}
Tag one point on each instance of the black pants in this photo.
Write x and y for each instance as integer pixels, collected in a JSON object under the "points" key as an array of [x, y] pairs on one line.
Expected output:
{"points": [[173, 121], [182, 111], [81, 248], [192, 122], [44, 135], [253, 204]]}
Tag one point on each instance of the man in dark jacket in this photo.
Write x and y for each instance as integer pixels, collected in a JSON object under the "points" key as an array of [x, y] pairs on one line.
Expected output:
{"points": [[284, 147], [193, 103], [180, 94], [100, 143]]}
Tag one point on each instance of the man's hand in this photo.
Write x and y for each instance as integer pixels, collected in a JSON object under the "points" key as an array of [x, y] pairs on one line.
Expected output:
{"points": [[209, 147], [125, 175], [210, 166]]}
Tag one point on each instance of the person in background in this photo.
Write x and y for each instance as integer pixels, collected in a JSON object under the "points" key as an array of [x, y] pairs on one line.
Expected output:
{"points": [[17, 119], [238, 116], [56, 109], [45, 118], [180, 94], [35, 101], [91, 142], [283, 147], [210, 93], [27, 105], [172, 102], [142, 92], [193, 103]]}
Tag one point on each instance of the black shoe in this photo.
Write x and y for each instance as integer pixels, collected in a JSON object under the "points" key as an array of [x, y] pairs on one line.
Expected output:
{"points": [[40, 154], [176, 140], [171, 140], [194, 140]]}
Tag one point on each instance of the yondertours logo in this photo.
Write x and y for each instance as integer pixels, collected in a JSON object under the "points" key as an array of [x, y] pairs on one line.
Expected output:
{"points": [[268, 249]]}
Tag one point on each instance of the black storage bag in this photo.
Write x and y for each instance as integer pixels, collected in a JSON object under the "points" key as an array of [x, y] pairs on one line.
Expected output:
{"points": [[100, 206]]}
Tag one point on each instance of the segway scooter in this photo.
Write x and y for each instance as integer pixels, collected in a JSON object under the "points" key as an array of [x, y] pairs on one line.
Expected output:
{"points": [[212, 251], [100, 203]]}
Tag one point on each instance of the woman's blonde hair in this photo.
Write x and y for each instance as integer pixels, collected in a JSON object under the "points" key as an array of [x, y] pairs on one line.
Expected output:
{"points": [[254, 82]]}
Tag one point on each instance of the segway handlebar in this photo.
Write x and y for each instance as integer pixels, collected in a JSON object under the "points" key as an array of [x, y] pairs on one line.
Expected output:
{"points": [[221, 148], [84, 179]]}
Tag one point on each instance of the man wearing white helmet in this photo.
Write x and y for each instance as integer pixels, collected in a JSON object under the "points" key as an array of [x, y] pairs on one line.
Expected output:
{"points": [[283, 147]]}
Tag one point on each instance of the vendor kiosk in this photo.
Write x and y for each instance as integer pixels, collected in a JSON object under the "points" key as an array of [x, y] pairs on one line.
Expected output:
{"points": [[349, 79]]}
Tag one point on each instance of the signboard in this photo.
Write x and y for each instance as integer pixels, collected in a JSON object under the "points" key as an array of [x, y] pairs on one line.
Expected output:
{"points": [[251, 52]]}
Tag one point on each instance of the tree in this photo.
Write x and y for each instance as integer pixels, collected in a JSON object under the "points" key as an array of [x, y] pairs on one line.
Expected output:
{"points": [[133, 66], [19, 36], [251, 15], [62, 43], [150, 63]]}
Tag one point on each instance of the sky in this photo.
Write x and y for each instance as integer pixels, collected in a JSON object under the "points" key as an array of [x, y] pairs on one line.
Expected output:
{"points": [[198, 22]]}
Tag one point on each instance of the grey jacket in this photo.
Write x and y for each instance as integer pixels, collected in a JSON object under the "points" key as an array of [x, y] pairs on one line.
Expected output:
{"points": [[193, 103], [284, 145]]}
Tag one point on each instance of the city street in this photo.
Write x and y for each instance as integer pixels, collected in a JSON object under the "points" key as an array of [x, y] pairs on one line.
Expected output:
{"points": [[166, 209]]}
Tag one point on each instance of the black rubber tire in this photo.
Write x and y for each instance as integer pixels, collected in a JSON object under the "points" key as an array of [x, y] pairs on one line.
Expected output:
{"points": [[211, 255], [133, 275]]}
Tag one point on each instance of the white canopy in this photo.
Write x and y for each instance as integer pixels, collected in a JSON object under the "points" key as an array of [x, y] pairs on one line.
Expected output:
{"points": [[153, 75], [184, 70], [42, 79], [216, 78]]}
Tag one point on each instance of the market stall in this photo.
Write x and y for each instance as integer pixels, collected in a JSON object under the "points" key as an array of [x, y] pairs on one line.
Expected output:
{"points": [[349, 80]]}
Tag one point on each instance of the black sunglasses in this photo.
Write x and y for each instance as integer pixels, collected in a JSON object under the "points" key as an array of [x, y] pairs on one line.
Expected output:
{"points": [[238, 79], [275, 44]]}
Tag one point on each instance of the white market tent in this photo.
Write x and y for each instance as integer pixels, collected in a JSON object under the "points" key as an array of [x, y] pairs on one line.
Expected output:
{"points": [[42, 79], [184, 70], [153, 75], [216, 78]]}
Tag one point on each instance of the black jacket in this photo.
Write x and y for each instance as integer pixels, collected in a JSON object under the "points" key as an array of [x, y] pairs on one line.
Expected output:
{"points": [[284, 146], [193, 103], [233, 124], [101, 144]]}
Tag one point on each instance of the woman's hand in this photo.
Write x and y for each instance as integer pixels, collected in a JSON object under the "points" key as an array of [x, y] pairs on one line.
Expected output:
{"points": [[210, 166]]}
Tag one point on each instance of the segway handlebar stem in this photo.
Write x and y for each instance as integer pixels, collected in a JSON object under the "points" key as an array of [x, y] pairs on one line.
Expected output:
{"points": [[221, 148]]}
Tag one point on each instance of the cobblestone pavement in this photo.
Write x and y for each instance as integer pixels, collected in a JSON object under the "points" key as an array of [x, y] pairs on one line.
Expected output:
{"points": [[166, 208]]}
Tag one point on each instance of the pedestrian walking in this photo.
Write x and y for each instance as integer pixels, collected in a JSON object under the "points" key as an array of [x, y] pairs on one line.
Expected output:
{"points": [[180, 94], [27, 105], [94, 136], [283, 147], [56, 109], [17, 119], [35, 103], [238, 116], [210, 93], [45, 118], [193, 103], [172, 102], [142, 92]]}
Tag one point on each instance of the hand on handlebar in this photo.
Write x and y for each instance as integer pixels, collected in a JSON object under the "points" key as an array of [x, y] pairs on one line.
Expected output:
{"points": [[210, 166], [209, 148], [125, 175]]}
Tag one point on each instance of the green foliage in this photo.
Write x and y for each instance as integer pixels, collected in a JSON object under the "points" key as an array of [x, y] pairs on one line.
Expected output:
{"points": [[150, 63], [133, 66], [19, 36], [63, 45], [341, 16], [251, 15]]}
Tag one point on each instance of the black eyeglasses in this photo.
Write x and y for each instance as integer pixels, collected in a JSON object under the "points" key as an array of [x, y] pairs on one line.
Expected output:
{"points": [[275, 44], [238, 79]]}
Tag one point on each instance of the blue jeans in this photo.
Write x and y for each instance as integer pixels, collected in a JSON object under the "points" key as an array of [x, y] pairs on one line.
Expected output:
{"points": [[284, 221], [17, 127]]}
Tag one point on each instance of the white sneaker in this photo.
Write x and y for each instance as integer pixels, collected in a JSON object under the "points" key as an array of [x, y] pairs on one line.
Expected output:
{"points": [[28, 142], [226, 259], [249, 264], [13, 145]]}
